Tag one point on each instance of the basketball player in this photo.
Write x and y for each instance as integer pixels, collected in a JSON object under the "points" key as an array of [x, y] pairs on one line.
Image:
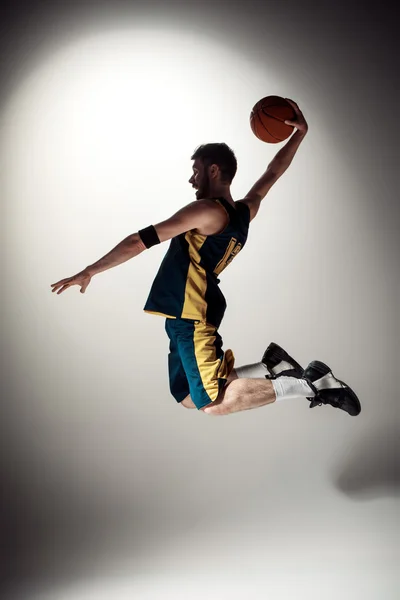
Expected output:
{"points": [[206, 235]]}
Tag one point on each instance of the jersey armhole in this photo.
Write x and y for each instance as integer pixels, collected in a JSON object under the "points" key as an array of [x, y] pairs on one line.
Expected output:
{"points": [[246, 205]]}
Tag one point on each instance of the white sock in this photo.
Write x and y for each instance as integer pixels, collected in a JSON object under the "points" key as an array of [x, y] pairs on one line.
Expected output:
{"points": [[327, 381], [253, 371], [291, 387]]}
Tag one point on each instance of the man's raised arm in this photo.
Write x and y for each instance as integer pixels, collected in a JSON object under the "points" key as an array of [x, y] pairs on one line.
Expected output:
{"points": [[278, 164]]}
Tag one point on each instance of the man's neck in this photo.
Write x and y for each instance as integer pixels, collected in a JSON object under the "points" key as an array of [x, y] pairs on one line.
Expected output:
{"points": [[222, 193]]}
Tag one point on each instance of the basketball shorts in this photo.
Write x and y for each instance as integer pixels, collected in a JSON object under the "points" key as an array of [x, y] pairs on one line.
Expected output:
{"points": [[197, 364]]}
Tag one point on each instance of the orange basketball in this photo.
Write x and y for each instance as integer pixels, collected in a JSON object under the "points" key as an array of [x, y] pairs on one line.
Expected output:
{"points": [[267, 119]]}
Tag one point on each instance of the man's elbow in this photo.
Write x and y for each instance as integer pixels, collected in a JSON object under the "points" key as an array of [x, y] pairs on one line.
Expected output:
{"points": [[137, 244]]}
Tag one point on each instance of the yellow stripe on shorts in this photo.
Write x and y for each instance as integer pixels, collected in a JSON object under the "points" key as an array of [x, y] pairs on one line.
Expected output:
{"points": [[211, 368]]}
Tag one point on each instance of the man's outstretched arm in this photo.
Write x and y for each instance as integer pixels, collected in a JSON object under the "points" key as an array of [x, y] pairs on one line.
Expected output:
{"points": [[194, 215], [198, 214], [279, 163]]}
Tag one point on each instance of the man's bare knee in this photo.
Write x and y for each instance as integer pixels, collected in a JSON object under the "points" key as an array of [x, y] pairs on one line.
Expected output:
{"points": [[188, 402]]}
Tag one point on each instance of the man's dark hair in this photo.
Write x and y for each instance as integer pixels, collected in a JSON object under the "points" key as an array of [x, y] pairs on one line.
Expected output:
{"points": [[218, 154]]}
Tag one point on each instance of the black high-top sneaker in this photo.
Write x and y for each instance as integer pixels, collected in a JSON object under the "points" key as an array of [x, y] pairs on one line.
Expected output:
{"points": [[330, 390], [278, 362]]}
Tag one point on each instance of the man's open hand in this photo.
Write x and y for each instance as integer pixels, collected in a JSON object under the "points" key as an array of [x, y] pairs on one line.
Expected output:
{"points": [[83, 279]]}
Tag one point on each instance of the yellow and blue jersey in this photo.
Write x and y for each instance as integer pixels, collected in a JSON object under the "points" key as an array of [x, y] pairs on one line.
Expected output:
{"points": [[187, 284]]}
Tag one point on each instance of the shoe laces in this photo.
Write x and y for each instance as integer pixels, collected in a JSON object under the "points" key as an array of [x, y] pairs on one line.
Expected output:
{"points": [[315, 402]]}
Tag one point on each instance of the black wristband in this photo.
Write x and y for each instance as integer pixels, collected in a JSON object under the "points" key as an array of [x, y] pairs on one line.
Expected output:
{"points": [[149, 236]]}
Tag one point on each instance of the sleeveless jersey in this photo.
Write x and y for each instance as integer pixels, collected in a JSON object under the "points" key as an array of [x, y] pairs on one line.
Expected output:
{"points": [[187, 285]]}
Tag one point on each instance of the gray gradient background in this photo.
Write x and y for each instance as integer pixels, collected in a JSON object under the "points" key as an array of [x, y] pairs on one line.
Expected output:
{"points": [[110, 489]]}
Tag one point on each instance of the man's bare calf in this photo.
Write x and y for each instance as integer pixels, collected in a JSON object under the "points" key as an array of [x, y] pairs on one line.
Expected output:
{"points": [[237, 395]]}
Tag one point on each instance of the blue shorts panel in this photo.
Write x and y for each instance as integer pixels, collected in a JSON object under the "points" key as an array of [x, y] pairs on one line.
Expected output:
{"points": [[197, 364]]}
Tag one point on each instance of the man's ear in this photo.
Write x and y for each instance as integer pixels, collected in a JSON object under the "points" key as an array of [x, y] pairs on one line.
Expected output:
{"points": [[214, 171]]}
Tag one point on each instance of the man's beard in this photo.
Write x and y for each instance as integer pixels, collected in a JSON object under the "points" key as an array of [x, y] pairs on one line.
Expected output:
{"points": [[204, 190]]}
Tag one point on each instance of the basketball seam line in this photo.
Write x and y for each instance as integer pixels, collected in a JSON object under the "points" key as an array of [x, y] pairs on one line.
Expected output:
{"points": [[267, 130], [272, 116]]}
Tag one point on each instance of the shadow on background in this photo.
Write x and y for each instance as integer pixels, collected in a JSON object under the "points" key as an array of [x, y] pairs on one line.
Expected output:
{"points": [[374, 468]]}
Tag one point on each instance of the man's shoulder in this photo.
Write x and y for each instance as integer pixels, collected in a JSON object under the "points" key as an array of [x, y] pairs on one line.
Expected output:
{"points": [[216, 217]]}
